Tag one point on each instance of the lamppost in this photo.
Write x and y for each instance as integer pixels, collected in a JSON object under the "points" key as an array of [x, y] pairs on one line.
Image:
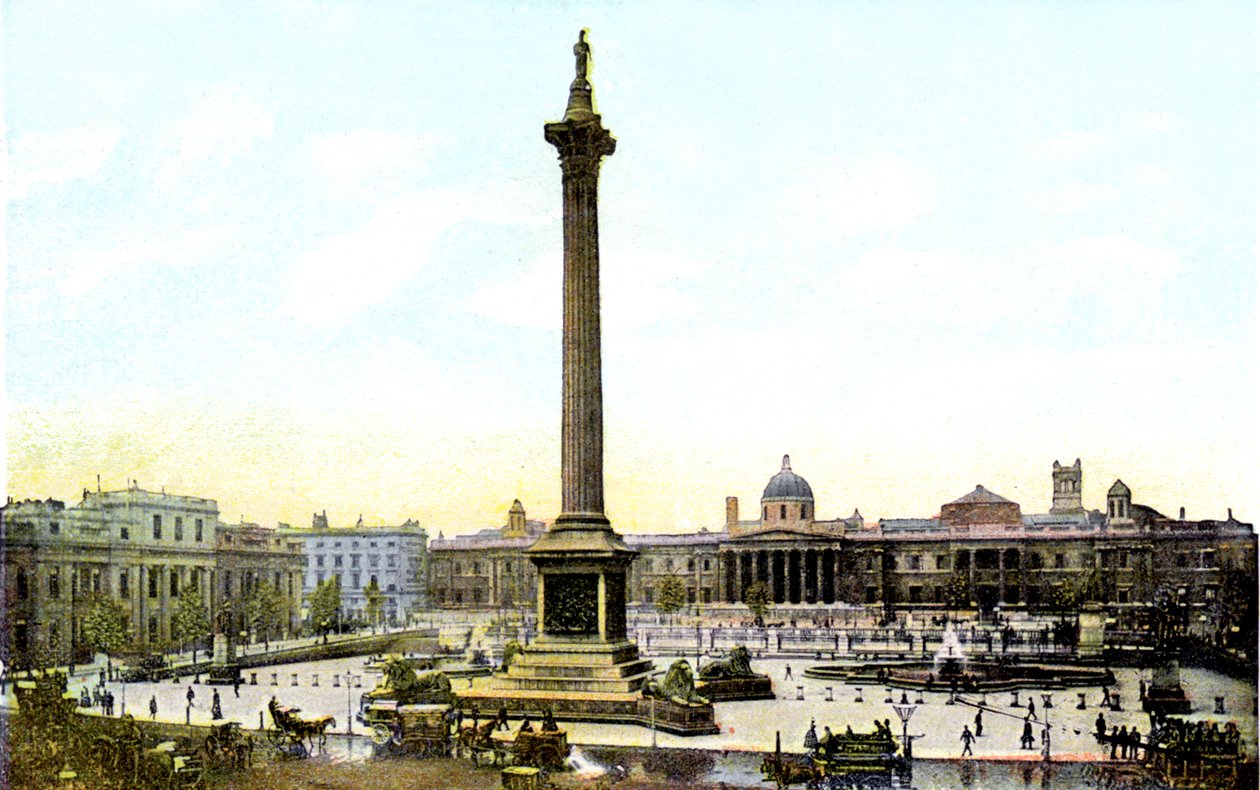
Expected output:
{"points": [[904, 712], [349, 707]]}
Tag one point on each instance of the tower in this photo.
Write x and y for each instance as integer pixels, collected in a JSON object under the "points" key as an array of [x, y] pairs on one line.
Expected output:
{"points": [[1119, 503], [1067, 488]]}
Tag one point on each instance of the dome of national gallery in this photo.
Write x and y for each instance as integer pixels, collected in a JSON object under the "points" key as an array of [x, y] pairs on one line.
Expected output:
{"points": [[787, 485]]}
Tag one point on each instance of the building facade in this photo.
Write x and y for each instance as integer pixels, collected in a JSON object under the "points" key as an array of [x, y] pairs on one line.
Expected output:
{"points": [[488, 569], [396, 557], [980, 551], [145, 548]]}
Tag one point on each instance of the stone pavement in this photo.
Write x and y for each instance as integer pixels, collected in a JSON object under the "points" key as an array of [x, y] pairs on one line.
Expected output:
{"points": [[747, 726]]}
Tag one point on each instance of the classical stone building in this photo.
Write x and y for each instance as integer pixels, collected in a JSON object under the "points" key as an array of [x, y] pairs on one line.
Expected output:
{"points": [[980, 542], [487, 569], [146, 548], [395, 556]]}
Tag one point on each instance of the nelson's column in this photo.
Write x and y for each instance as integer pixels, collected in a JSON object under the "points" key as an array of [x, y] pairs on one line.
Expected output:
{"points": [[582, 665]]}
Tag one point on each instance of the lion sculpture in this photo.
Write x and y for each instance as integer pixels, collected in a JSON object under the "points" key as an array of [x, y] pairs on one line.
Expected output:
{"points": [[510, 651], [401, 682], [737, 664], [677, 685]]}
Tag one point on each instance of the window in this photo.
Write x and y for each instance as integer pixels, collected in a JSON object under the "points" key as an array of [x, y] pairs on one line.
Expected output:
{"points": [[765, 513], [54, 528], [802, 511], [174, 583], [153, 582], [647, 565], [354, 579], [192, 579], [124, 533], [197, 525], [22, 592], [337, 561], [669, 564], [227, 582], [507, 566], [477, 595], [476, 568], [870, 595], [916, 594], [1122, 595], [319, 577], [647, 595], [54, 584], [458, 570], [354, 560], [706, 565], [153, 628], [179, 528], [276, 580], [706, 595], [691, 595], [319, 561], [691, 566], [783, 512], [157, 527], [372, 544], [374, 561], [1183, 560], [915, 563], [942, 562], [390, 560], [1060, 561], [124, 587]]}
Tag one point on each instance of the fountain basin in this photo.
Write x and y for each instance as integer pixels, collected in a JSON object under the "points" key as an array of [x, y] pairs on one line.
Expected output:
{"points": [[973, 675]]}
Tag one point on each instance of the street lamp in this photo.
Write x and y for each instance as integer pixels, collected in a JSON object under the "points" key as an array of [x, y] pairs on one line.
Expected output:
{"points": [[904, 712]]}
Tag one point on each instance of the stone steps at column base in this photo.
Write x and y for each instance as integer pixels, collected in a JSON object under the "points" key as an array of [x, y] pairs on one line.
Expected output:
{"points": [[596, 707]]}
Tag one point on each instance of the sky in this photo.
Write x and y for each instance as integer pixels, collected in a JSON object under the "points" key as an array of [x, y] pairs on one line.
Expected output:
{"points": [[302, 257]]}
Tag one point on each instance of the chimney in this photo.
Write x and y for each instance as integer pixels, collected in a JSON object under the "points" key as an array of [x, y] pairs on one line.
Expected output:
{"points": [[732, 510]]}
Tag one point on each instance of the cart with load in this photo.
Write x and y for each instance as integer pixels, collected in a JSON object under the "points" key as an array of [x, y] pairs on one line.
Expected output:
{"points": [[421, 730]]}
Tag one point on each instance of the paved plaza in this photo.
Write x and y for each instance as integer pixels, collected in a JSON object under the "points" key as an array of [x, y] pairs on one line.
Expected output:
{"points": [[746, 726]]}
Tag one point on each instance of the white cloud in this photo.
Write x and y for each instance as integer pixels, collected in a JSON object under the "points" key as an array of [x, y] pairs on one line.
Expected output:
{"points": [[1071, 144], [361, 267], [883, 195], [57, 157], [1157, 121], [89, 269], [366, 156], [1076, 198], [635, 290], [219, 127]]}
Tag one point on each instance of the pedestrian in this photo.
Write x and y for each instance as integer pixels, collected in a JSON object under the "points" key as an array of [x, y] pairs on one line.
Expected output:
{"points": [[109, 703], [979, 724], [190, 695], [1106, 700], [1115, 740], [153, 708], [1100, 726], [216, 710], [1135, 742], [1026, 740], [236, 686], [1141, 689], [966, 738], [1124, 742], [1032, 708], [787, 672]]}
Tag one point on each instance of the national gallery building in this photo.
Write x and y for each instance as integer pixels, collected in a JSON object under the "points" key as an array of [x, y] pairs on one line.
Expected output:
{"points": [[981, 546]]}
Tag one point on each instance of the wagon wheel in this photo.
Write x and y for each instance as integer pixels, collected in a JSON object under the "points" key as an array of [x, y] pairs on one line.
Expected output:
{"points": [[548, 757], [278, 739], [380, 734], [297, 749]]}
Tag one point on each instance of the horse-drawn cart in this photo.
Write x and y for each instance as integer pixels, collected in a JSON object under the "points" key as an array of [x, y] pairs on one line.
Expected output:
{"points": [[421, 730], [293, 735]]}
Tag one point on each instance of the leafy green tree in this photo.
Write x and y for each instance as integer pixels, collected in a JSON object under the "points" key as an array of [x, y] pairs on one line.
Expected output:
{"points": [[191, 619], [671, 595], [264, 610], [758, 598], [375, 602], [325, 602], [105, 627], [958, 592]]}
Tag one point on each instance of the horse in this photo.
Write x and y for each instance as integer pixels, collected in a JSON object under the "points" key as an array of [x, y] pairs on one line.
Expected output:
{"points": [[313, 729], [785, 773], [478, 736]]}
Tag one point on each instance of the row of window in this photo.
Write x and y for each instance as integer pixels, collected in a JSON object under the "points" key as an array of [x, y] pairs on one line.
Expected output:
{"points": [[354, 544], [356, 581], [125, 533], [783, 512]]}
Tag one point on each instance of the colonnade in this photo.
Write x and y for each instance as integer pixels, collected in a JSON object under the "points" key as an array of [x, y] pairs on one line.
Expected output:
{"points": [[794, 575]]}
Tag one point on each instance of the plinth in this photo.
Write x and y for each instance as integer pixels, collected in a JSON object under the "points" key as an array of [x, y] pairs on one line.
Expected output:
{"points": [[1165, 694], [224, 670]]}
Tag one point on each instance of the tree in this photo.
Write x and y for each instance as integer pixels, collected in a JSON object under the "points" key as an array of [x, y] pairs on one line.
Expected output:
{"points": [[264, 610], [958, 592], [325, 605], [671, 595], [105, 627], [757, 598], [375, 602], [191, 619]]}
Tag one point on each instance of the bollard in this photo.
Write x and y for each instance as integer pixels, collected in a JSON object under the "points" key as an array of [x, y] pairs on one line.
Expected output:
{"points": [[829, 697], [800, 692], [274, 680], [1081, 704], [253, 678], [1046, 701], [1015, 700], [336, 681], [859, 696], [294, 683], [1115, 701], [314, 679], [918, 699], [1220, 705], [888, 695]]}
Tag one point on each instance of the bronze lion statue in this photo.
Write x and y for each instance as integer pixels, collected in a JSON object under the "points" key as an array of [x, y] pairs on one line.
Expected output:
{"points": [[510, 651], [677, 685], [737, 664], [404, 684]]}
